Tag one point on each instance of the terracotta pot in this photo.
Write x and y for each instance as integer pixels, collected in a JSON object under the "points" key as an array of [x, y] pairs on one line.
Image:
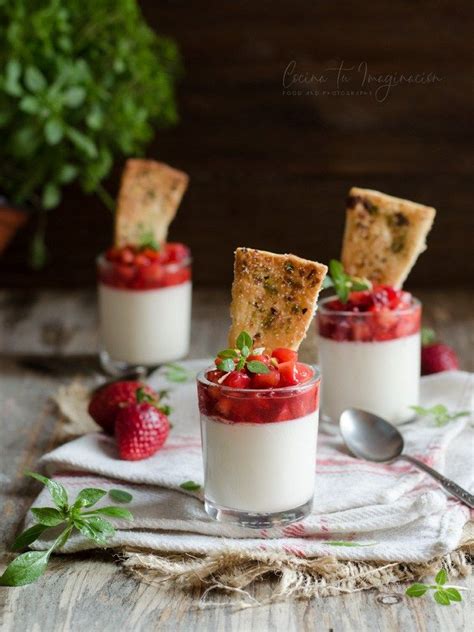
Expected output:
{"points": [[11, 220]]}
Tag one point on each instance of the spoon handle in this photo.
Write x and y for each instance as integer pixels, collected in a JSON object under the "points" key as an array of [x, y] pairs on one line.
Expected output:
{"points": [[449, 485]]}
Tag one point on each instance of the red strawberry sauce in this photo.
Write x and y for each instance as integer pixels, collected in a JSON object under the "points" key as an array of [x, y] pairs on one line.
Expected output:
{"points": [[258, 405], [134, 268], [382, 313]]}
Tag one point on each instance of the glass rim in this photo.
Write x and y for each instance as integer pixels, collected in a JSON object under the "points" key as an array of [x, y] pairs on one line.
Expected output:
{"points": [[416, 303], [315, 378], [172, 266]]}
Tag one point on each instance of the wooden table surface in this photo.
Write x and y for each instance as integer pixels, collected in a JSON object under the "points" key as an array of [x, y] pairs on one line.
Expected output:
{"points": [[48, 337]]}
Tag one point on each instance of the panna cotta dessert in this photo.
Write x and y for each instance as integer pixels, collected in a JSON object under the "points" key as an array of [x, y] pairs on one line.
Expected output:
{"points": [[369, 353], [369, 334], [258, 404], [144, 281], [145, 303]]}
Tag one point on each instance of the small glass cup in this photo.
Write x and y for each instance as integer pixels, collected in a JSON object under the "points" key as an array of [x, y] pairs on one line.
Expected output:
{"points": [[369, 360], [259, 450], [144, 312]]}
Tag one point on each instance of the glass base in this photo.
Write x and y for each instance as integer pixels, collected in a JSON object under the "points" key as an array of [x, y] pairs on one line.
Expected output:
{"points": [[257, 520], [116, 368]]}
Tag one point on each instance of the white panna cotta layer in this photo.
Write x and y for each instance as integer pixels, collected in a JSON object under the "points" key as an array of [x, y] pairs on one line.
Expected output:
{"points": [[260, 468], [145, 326], [381, 377]]}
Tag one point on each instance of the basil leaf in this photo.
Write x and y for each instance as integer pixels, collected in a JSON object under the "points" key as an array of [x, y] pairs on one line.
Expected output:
{"points": [[89, 497], [441, 597], [47, 516], [336, 270], [226, 365], [28, 536], [416, 590], [245, 351], [244, 339], [115, 512], [254, 366], [95, 528], [25, 568], [441, 577], [190, 486], [228, 353], [120, 496], [58, 492], [453, 594]]}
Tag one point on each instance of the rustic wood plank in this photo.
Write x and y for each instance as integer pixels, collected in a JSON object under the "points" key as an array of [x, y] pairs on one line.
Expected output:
{"points": [[89, 590]]}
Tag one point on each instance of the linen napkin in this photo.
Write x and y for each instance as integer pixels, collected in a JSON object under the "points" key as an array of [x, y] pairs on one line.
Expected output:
{"points": [[386, 512]]}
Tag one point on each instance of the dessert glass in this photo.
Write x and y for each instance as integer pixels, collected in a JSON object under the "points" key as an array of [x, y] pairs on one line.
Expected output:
{"points": [[370, 360], [144, 312], [259, 450]]}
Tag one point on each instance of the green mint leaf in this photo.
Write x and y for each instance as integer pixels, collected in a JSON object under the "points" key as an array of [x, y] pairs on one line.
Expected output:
{"points": [[440, 413], [240, 364], [147, 240], [428, 336], [115, 512], [344, 283], [58, 492], [95, 528], [416, 590], [358, 284], [120, 496], [28, 536], [254, 366], [453, 594], [244, 339], [25, 568], [441, 577], [47, 516], [441, 597], [177, 373], [245, 351], [327, 282], [226, 365], [348, 543], [228, 353], [89, 497], [336, 270], [190, 486]]}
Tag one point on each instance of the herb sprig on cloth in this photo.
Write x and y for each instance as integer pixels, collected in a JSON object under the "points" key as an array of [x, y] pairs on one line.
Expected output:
{"points": [[443, 594], [439, 413], [29, 566], [343, 283]]}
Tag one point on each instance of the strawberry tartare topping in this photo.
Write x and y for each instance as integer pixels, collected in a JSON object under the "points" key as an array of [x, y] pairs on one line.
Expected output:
{"points": [[145, 268]]}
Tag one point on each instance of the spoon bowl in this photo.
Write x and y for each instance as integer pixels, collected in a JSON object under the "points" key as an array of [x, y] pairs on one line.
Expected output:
{"points": [[370, 437]]}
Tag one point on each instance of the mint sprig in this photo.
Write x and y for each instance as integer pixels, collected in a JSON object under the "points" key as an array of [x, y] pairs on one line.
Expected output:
{"points": [[177, 373], [236, 359], [443, 594], [349, 543], [439, 413], [343, 283], [29, 566]]}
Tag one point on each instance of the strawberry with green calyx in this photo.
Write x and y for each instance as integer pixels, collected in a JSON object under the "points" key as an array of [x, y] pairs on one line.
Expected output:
{"points": [[141, 428], [436, 356]]}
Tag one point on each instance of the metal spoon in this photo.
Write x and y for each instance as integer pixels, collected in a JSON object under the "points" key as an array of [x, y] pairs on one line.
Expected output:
{"points": [[372, 438]]}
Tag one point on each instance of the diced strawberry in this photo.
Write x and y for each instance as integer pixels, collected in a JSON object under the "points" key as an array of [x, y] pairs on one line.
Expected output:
{"points": [[176, 252], [285, 355], [261, 357], [237, 379], [224, 406], [214, 376], [288, 373], [266, 380], [304, 372]]}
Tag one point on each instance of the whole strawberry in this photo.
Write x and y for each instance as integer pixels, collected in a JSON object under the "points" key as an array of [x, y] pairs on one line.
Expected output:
{"points": [[109, 399], [436, 356], [141, 428]]}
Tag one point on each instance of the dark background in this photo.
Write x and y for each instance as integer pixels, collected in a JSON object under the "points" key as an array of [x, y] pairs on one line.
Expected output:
{"points": [[272, 170]]}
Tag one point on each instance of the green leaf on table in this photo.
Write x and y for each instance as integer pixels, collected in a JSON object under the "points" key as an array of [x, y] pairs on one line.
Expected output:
{"points": [[177, 373], [453, 594], [120, 495], [441, 597], [190, 486], [58, 492], [48, 516], [28, 536], [25, 569], [441, 577], [89, 497], [416, 590], [439, 413], [95, 528], [115, 512]]}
